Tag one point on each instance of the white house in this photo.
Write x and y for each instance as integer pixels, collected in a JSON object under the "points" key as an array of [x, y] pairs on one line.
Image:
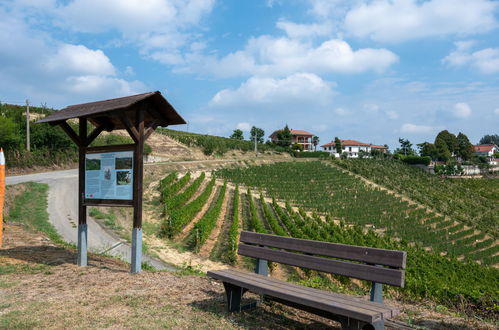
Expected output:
{"points": [[487, 150], [351, 147]]}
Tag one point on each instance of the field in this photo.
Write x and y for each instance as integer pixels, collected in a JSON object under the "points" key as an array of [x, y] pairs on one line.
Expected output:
{"points": [[314, 200]]}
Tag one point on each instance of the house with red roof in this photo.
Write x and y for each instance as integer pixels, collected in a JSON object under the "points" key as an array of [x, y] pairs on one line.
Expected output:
{"points": [[352, 148], [486, 150], [303, 138]]}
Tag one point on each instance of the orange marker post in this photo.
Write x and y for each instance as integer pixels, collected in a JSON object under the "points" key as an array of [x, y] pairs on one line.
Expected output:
{"points": [[2, 191]]}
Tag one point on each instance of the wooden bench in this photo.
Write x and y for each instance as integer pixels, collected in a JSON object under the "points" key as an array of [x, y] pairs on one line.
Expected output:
{"points": [[376, 265]]}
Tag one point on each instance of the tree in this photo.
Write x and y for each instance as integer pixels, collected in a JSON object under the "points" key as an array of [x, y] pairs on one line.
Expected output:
{"points": [[449, 139], [427, 149], [442, 151], [490, 139], [405, 148], [237, 135], [284, 137], [337, 145], [315, 142], [258, 132], [9, 134], [464, 147]]}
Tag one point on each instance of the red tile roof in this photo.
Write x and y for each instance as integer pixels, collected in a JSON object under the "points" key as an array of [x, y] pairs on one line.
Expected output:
{"points": [[294, 132], [378, 147], [483, 148], [351, 143]]}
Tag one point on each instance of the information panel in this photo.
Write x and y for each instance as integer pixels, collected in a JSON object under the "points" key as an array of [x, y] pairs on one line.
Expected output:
{"points": [[109, 175]]}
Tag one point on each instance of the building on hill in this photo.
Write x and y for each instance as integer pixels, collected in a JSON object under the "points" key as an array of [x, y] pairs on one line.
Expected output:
{"points": [[352, 148], [487, 151], [300, 137]]}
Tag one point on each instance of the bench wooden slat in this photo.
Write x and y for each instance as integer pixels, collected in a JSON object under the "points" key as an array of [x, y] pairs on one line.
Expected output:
{"points": [[268, 288], [383, 257], [385, 310], [393, 277]]}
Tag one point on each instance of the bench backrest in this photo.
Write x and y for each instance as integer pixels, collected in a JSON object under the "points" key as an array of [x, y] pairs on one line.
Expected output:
{"points": [[368, 262]]}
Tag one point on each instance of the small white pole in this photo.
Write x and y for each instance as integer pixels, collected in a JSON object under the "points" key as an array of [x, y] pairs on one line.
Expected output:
{"points": [[27, 126]]}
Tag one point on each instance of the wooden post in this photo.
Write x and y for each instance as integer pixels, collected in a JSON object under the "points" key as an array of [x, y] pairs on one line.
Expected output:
{"points": [[82, 209], [137, 195]]}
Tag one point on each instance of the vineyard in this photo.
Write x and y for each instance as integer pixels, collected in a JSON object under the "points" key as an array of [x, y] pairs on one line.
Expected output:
{"points": [[312, 200], [327, 190], [210, 144]]}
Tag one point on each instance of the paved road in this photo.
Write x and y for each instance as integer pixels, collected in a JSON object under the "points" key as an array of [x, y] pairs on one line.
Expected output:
{"points": [[63, 214]]}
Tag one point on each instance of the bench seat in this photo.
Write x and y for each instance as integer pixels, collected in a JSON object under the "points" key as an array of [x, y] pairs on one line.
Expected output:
{"points": [[306, 298]]}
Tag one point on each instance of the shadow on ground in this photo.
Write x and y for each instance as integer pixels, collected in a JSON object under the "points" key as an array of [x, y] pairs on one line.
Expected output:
{"points": [[55, 256]]}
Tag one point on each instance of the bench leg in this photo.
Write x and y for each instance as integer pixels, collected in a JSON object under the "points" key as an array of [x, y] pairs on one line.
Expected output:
{"points": [[351, 324], [234, 295]]}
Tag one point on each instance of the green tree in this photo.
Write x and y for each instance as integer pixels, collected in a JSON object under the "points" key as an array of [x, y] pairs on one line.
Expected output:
{"points": [[427, 149], [442, 151], [315, 142], [449, 139], [9, 134], [490, 139], [284, 137], [237, 135], [405, 148], [337, 144], [258, 132], [464, 147]]}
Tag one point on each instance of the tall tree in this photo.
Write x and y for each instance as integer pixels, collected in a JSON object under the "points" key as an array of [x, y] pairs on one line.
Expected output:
{"points": [[405, 147], [258, 132], [284, 137], [237, 135], [315, 142], [449, 139], [428, 149], [464, 147], [490, 139], [337, 145], [442, 151]]}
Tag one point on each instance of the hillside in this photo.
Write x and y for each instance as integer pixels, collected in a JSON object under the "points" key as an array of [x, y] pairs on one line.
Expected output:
{"points": [[42, 288]]}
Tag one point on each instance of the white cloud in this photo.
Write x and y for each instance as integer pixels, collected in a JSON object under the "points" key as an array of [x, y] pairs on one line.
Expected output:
{"points": [[294, 30], [485, 61], [298, 89], [36, 66], [496, 111], [245, 127], [266, 55], [401, 20], [462, 110], [78, 59], [412, 128], [341, 112]]}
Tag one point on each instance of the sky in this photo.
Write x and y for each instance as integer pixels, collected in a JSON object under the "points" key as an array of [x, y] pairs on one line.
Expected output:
{"points": [[373, 71]]}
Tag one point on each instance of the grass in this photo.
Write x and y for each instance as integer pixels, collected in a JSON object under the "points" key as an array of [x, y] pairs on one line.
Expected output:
{"points": [[30, 209], [109, 219]]}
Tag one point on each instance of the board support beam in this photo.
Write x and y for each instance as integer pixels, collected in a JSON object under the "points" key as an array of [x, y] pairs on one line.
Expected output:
{"points": [[82, 209]]}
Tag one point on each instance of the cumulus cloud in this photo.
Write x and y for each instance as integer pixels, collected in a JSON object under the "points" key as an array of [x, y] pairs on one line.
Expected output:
{"points": [[462, 110], [298, 89], [395, 21], [341, 112], [245, 127], [294, 30], [36, 66], [266, 55], [485, 61], [412, 128]]}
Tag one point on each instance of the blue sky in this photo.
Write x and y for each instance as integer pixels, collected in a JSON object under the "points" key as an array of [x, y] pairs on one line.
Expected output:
{"points": [[372, 71]]}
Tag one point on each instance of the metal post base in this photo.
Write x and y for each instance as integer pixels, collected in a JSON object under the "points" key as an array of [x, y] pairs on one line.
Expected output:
{"points": [[82, 245], [136, 250]]}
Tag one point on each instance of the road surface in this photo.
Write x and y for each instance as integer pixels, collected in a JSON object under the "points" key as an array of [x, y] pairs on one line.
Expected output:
{"points": [[63, 214]]}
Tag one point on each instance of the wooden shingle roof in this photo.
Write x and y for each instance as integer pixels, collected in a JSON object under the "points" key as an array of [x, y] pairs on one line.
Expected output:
{"points": [[157, 111]]}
